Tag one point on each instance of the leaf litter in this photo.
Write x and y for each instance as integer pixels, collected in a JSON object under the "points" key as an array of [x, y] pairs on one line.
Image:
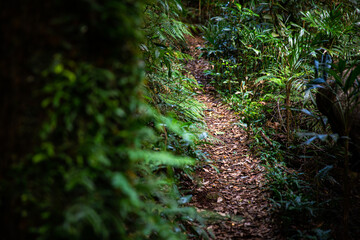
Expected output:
{"points": [[234, 186]]}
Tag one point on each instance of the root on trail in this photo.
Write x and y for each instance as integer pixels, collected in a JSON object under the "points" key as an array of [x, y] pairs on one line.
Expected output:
{"points": [[237, 190]]}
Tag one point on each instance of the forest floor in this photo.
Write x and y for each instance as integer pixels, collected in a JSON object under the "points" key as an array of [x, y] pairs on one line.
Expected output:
{"points": [[237, 188]]}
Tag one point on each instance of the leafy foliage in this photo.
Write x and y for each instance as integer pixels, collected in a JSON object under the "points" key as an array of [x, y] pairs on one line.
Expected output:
{"points": [[263, 53]]}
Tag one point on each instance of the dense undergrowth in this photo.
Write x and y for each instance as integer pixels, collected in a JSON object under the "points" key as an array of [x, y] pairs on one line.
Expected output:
{"points": [[263, 65]]}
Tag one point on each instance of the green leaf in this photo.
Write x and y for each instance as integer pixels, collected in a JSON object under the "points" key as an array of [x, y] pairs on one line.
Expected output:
{"points": [[338, 79], [120, 112], [39, 158], [341, 66], [69, 75], [58, 68], [84, 213], [109, 75], [120, 182], [76, 177], [238, 6], [160, 158]]}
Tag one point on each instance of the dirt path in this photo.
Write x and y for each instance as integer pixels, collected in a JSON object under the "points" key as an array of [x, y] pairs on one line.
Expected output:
{"points": [[237, 189]]}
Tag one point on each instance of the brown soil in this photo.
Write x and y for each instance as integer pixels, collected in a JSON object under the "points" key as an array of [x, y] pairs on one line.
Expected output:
{"points": [[238, 189]]}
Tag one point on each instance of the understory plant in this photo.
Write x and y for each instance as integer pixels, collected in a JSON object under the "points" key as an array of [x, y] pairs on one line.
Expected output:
{"points": [[262, 55]]}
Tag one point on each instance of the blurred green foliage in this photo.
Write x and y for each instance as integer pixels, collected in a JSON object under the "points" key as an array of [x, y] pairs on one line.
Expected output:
{"points": [[81, 153]]}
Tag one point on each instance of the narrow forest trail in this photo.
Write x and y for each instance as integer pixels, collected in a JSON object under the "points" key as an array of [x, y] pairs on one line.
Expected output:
{"points": [[237, 189]]}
